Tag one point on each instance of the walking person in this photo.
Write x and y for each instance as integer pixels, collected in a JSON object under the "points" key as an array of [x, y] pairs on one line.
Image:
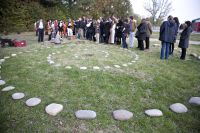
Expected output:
{"points": [[125, 33], [184, 38], [141, 34], [171, 47], [133, 26], [149, 32], [41, 31], [167, 35]]}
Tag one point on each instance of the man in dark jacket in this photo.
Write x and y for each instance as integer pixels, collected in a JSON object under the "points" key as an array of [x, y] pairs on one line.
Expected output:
{"points": [[167, 36], [125, 33], [184, 39]]}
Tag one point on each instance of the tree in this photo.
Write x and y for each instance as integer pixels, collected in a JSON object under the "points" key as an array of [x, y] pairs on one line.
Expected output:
{"points": [[158, 9]]}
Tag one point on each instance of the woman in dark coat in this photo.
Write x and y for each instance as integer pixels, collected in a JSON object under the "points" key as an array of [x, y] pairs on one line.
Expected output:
{"points": [[184, 39], [118, 32], [141, 34]]}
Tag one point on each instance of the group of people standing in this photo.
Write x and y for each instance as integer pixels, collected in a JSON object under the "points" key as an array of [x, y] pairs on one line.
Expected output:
{"points": [[168, 34], [115, 31]]}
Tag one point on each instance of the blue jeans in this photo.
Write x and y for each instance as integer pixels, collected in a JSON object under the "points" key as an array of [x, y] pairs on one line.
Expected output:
{"points": [[164, 50], [124, 44]]}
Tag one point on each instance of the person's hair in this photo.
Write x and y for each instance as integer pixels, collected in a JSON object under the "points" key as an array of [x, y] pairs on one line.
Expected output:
{"points": [[126, 20], [176, 20], [188, 23], [170, 17], [131, 17]]}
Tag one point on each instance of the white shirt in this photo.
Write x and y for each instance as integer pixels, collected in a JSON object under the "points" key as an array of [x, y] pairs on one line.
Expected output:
{"points": [[41, 26]]}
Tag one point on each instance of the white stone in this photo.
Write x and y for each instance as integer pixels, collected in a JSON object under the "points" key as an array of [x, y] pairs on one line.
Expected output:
{"points": [[117, 66], [53, 109], [96, 67], [153, 112], [85, 114], [107, 67], [133, 61], [83, 68], [57, 65], [195, 100], [122, 115], [53, 53], [58, 52], [13, 55], [33, 101], [6, 57], [178, 108], [68, 67], [8, 88], [2, 82], [125, 65], [19, 52], [51, 62], [130, 63], [194, 55], [199, 58], [2, 60], [18, 95]]}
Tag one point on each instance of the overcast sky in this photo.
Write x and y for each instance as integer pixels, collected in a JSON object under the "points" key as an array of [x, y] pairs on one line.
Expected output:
{"points": [[183, 9]]}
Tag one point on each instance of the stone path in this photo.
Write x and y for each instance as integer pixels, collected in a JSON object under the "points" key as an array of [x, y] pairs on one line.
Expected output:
{"points": [[121, 114]]}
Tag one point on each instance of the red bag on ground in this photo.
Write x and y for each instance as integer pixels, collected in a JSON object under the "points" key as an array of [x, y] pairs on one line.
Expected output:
{"points": [[19, 43]]}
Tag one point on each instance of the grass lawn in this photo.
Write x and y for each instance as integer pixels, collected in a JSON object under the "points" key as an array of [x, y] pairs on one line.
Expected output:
{"points": [[148, 83]]}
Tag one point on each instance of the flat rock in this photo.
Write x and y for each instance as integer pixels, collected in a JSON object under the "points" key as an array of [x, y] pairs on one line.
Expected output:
{"points": [[178, 108], [2, 82], [53, 53], [125, 65], [117, 66], [68, 67], [130, 63], [51, 62], [195, 100], [199, 58], [107, 67], [6, 57], [122, 115], [194, 55], [13, 55], [85, 114], [2, 60], [83, 68], [96, 67], [153, 112], [8, 88], [33, 101], [18, 95], [133, 61], [53, 109], [57, 65]]}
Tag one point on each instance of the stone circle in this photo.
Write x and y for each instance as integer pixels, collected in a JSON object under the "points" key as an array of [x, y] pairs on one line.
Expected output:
{"points": [[194, 100], [18, 95], [2, 82], [33, 101], [178, 108], [53, 109], [153, 112], [8, 88], [85, 114], [122, 115]]}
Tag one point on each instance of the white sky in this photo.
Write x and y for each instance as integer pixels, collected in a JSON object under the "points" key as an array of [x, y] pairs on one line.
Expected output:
{"points": [[183, 9]]}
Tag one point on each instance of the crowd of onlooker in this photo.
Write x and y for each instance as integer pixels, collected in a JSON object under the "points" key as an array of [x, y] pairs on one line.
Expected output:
{"points": [[115, 31]]}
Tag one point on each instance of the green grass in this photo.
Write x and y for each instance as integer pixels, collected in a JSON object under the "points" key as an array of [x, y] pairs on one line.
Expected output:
{"points": [[193, 37], [148, 83]]}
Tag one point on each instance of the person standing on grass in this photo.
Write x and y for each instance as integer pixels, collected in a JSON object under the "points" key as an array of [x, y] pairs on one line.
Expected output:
{"points": [[125, 33], [184, 38], [118, 31], [132, 25], [167, 35], [149, 32], [141, 34], [171, 47], [41, 31]]}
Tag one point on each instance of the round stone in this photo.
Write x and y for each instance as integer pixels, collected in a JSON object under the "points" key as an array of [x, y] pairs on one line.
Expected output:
{"points": [[51, 62], [107, 67], [53, 53], [2, 60], [153, 112], [122, 115], [8, 88], [13, 55], [33, 101], [125, 65], [85, 114], [18, 95], [96, 68], [117, 66], [178, 108], [199, 58], [83, 68], [195, 100], [53, 109], [2, 82], [68, 67]]}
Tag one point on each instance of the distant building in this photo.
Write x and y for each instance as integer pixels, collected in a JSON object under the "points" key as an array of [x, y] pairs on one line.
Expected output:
{"points": [[196, 25]]}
